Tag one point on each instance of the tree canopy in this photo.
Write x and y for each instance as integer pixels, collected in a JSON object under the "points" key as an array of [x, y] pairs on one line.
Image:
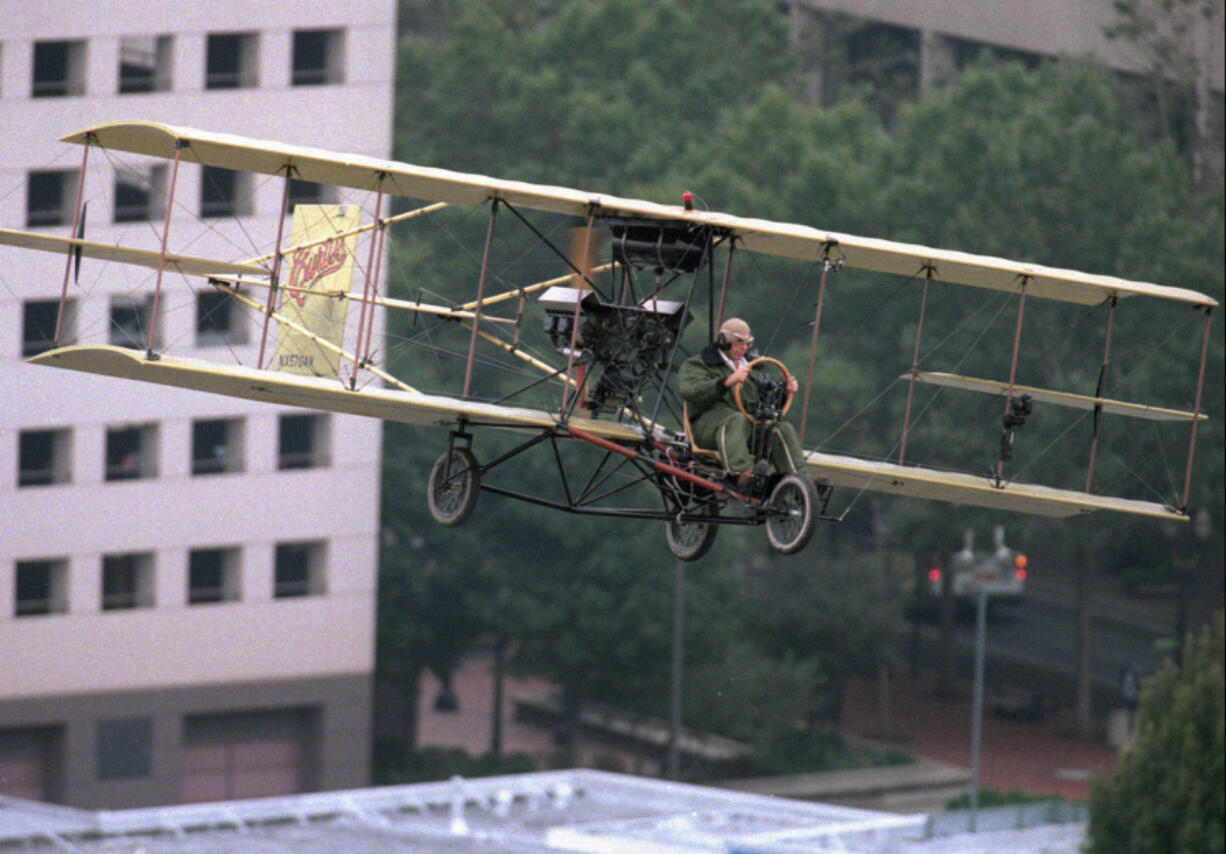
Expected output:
{"points": [[653, 98]]}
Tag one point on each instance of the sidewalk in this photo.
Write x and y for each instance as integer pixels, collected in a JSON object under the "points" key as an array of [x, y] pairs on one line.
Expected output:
{"points": [[1036, 757], [1039, 758]]}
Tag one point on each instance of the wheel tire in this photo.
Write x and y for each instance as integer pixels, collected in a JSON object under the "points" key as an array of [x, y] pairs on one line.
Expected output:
{"points": [[451, 500], [690, 540], [789, 530]]}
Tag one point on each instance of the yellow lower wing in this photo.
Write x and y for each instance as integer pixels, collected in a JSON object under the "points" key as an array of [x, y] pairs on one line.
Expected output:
{"points": [[959, 488], [311, 392], [417, 408]]}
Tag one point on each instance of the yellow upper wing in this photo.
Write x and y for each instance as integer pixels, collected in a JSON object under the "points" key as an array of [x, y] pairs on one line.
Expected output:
{"points": [[785, 239]]}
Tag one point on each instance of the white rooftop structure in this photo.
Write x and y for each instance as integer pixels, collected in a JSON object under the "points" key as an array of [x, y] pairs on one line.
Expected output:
{"points": [[580, 811]]}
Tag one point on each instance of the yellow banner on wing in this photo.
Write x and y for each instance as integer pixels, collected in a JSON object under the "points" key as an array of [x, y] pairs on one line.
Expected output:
{"points": [[317, 271]]}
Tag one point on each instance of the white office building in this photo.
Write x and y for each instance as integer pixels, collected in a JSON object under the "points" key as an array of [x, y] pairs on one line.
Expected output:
{"points": [[187, 582]]}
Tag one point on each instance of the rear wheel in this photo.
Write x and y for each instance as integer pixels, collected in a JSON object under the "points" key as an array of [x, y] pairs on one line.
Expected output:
{"points": [[791, 525], [451, 492], [690, 540]]}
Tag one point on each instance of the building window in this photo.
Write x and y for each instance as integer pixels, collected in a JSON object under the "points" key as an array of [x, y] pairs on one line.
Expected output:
{"points": [[44, 457], [140, 198], [50, 197], [299, 569], [225, 192], [217, 446], [127, 581], [38, 325], [130, 318], [319, 57], [42, 587], [218, 320], [125, 749], [303, 442], [131, 452], [231, 61], [144, 64], [59, 69], [310, 193], [213, 576]]}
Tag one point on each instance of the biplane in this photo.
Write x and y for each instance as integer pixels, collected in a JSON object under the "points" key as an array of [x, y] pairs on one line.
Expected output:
{"points": [[604, 339]]}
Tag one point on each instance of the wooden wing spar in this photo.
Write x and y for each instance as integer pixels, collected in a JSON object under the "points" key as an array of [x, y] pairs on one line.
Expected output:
{"points": [[186, 264], [756, 235], [443, 188]]}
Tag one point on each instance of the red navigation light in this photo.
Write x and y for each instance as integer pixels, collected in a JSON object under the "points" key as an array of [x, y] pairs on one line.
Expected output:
{"points": [[1021, 575], [687, 199], [934, 575]]}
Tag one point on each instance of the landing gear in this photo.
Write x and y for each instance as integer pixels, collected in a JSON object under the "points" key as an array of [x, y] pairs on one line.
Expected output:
{"points": [[451, 491], [690, 540], [795, 502]]}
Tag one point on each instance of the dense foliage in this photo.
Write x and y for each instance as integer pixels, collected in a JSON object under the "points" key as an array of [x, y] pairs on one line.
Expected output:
{"points": [[1167, 793], [653, 98]]}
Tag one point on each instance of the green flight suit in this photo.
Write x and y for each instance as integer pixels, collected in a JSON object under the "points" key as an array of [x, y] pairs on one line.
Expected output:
{"points": [[718, 425]]}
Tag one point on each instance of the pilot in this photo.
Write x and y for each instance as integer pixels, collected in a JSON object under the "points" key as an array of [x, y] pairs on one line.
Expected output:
{"points": [[707, 381]]}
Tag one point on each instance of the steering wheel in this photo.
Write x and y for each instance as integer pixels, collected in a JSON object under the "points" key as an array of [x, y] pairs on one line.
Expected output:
{"points": [[787, 401]]}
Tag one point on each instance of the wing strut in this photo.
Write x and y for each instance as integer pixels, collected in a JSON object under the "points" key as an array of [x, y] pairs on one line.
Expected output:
{"points": [[929, 271], [170, 206], [367, 308], [275, 279], [1200, 387], [574, 321], [485, 269], [817, 322]]}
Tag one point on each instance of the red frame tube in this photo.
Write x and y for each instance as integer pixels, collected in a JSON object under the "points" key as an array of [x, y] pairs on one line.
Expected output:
{"points": [[609, 445]]}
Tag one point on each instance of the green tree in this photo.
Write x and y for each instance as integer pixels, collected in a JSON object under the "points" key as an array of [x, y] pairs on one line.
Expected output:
{"points": [[1167, 791]]}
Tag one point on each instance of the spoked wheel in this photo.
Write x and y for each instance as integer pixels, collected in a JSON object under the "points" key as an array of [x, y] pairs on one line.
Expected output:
{"points": [[795, 500], [452, 490], [690, 540]]}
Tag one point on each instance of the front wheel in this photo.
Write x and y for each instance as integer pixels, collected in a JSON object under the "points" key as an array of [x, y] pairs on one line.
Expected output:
{"points": [[790, 526], [690, 540], [451, 492]]}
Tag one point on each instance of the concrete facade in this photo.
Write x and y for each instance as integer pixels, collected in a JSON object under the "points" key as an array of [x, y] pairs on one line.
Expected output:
{"points": [[1048, 28], [77, 654]]}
